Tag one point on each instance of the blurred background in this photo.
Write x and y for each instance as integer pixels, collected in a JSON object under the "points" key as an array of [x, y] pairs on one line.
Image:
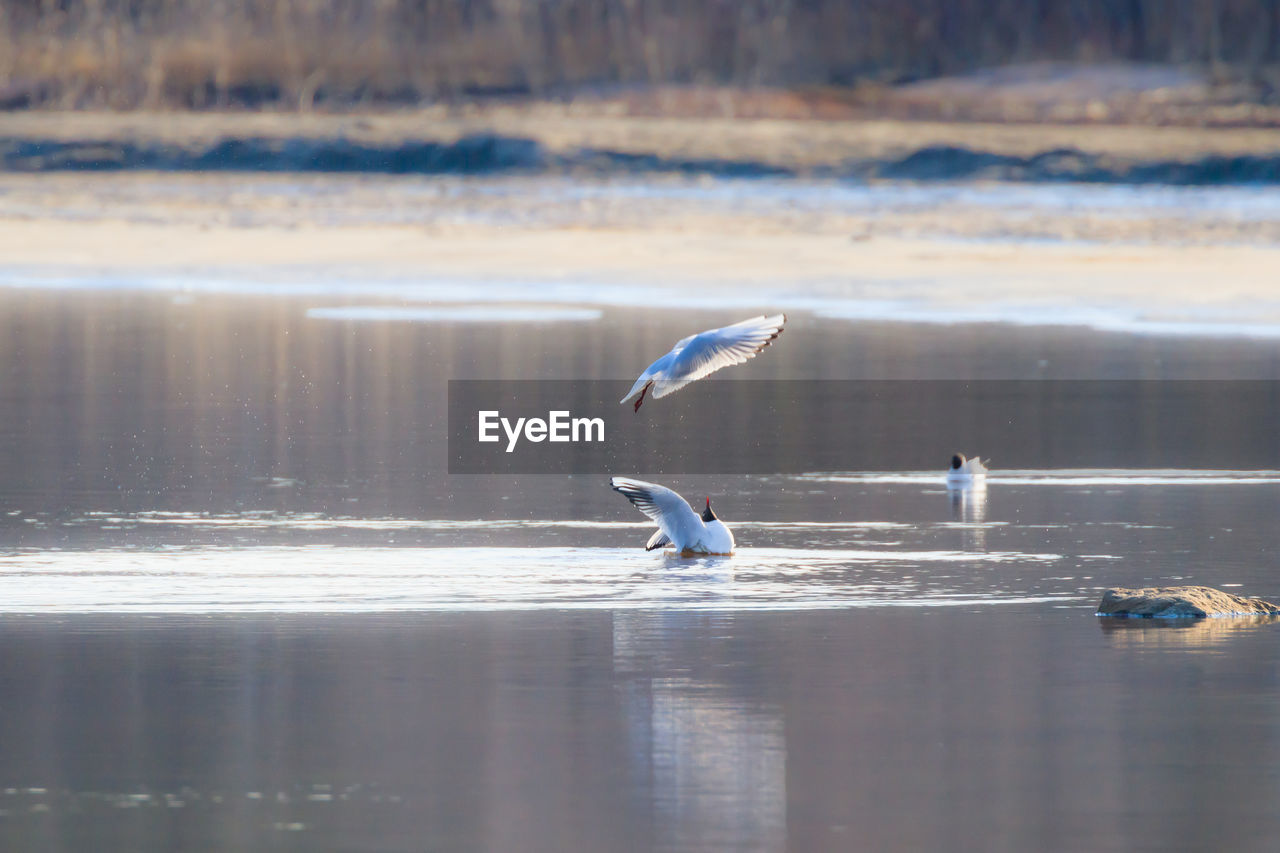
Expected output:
{"points": [[251, 215], [830, 55]]}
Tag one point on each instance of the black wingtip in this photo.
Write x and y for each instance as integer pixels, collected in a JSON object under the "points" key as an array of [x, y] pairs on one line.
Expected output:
{"points": [[628, 491], [776, 334]]}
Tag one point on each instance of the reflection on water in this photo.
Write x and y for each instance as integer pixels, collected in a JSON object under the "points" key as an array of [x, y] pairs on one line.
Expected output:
{"points": [[969, 507], [245, 608], [1192, 634], [1060, 477], [719, 771], [640, 729], [968, 503], [714, 766]]}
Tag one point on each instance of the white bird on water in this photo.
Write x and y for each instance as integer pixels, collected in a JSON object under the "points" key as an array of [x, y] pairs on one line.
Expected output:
{"points": [[706, 352], [678, 523], [966, 472]]}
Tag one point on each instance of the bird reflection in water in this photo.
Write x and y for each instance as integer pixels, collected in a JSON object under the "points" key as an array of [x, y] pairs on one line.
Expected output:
{"points": [[969, 507], [712, 756]]}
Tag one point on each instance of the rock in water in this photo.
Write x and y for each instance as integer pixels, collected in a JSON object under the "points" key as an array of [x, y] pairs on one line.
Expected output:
{"points": [[1181, 601]]}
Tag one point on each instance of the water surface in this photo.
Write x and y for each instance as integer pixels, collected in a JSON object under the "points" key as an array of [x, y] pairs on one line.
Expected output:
{"points": [[244, 607]]}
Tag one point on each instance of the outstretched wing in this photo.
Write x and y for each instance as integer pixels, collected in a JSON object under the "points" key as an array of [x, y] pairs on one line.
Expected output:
{"points": [[657, 540], [676, 520], [705, 353]]}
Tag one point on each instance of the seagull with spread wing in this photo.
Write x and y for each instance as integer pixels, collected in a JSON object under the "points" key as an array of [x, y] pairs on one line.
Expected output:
{"points": [[706, 352], [678, 523]]}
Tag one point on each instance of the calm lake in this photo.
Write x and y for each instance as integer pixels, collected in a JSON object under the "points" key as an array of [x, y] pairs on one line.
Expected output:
{"points": [[244, 606]]}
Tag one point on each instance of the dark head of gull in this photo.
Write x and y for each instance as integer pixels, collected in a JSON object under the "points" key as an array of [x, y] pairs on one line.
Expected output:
{"points": [[957, 461], [707, 514]]}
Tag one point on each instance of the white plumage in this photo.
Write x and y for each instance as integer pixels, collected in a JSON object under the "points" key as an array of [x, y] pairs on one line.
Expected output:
{"points": [[677, 522], [704, 353], [966, 472]]}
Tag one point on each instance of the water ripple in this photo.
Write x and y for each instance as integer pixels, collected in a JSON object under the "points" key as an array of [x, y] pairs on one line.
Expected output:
{"points": [[378, 579], [1061, 477]]}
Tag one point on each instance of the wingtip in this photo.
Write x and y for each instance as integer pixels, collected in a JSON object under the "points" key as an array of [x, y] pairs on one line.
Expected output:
{"points": [[776, 332]]}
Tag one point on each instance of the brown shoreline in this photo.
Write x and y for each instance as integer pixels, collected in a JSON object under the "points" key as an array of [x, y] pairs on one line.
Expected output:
{"points": [[1164, 264]]}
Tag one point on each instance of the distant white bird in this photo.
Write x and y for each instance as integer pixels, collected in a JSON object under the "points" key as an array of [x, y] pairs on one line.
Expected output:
{"points": [[677, 522], [965, 472], [704, 353]]}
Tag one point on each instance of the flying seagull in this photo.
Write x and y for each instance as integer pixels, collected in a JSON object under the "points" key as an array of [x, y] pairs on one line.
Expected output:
{"points": [[704, 353], [678, 523]]}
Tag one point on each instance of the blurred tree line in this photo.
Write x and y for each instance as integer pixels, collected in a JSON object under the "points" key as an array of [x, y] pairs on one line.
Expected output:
{"points": [[126, 53]]}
